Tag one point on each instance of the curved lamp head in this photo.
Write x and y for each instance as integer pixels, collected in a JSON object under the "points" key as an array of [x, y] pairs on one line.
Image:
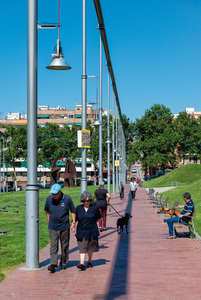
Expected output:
{"points": [[108, 142], [58, 62], [97, 123]]}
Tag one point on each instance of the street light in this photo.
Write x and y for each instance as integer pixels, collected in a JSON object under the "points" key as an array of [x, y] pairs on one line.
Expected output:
{"points": [[100, 27], [58, 62], [84, 97], [117, 185], [108, 142], [97, 123], [113, 149], [32, 189]]}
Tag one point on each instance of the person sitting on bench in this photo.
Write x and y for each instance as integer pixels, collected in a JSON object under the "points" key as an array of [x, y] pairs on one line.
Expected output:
{"points": [[185, 215]]}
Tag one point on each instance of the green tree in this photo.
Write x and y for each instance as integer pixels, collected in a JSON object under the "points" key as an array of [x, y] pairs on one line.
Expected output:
{"points": [[188, 139], [16, 147], [155, 138], [49, 144], [54, 141]]}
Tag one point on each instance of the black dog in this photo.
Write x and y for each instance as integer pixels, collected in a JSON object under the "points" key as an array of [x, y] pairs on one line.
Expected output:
{"points": [[123, 221]]}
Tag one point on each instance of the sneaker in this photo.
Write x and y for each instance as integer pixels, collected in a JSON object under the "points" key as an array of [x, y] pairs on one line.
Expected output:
{"points": [[81, 267], [104, 229], [100, 229], [52, 268], [171, 237], [89, 265]]}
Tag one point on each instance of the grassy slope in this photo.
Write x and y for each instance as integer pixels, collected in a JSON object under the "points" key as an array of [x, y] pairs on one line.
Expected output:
{"points": [[13, 245], [184, 175], [189, 180]]}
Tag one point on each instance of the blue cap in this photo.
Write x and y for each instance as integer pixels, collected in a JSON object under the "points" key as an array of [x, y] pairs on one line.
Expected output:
{"points": [[55, 188]]}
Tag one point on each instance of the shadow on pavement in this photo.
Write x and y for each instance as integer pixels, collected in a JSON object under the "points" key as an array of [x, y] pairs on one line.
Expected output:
{"points": [[118, 282]]}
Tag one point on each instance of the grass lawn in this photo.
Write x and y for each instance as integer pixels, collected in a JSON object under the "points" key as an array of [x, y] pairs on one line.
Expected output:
{"points": [[184, 175], [189, 180], [13, 244]]}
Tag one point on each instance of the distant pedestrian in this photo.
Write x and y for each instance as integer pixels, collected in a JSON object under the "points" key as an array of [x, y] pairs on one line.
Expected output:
{"points": [[57, 208], [87, 216], [121, 190], [133, 188], [102, 200]]}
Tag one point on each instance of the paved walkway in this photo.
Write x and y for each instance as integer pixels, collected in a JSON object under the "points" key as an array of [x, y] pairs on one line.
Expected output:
{"points": [[140, 265], [163, 189]]}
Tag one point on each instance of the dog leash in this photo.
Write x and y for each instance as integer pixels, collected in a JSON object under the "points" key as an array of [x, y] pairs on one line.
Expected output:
{"points": [[115, 210]]}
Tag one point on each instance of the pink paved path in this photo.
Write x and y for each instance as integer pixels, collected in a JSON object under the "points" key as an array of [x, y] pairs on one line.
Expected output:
{"points": [[139, 265]]}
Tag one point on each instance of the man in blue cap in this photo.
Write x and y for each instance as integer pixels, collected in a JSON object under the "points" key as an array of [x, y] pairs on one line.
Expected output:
{"points": [[57, 208]]}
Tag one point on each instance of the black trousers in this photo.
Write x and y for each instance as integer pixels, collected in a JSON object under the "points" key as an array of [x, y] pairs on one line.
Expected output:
{"points": [[121, 195], [133, 195], [64, 238]]}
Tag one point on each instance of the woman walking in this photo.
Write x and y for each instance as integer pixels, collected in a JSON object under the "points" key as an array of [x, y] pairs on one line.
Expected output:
{"points": [[87, 216], [102, 200]]}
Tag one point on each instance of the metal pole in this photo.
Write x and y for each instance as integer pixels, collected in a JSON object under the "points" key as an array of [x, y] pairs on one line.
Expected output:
{"points": [[32, 194], [3, 167], [113, 168], [84, 98], [6, 166], [43, 177], [119, 139], [0, 162], [96, 93], [100, 115], [108, 133], [116, 151]]}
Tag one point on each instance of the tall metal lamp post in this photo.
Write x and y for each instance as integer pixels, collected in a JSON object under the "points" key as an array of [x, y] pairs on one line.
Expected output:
{"points": [[113, 149], [108, 142], [84, 97], [100, 110], [32, 190]]}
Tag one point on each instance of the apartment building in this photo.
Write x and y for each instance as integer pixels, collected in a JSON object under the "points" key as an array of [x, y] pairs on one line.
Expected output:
{"points": [[58, 115]]}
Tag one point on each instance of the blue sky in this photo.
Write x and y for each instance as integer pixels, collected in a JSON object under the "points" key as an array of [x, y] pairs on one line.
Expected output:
{"points": [[155, 49]]}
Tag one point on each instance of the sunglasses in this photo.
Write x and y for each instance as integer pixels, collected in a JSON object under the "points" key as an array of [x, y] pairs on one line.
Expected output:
{"points": [[86, 200]]}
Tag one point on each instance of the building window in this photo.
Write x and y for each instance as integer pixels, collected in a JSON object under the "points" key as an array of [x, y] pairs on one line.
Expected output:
{"points": [[71, 116]]}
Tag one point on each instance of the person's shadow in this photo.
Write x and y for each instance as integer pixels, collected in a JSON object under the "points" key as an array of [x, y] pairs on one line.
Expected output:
{"points": [[118, 282]]}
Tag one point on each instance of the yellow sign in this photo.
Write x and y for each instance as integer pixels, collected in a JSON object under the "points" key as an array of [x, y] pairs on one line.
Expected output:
{"points": [[116, 163], [85, 138]]}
